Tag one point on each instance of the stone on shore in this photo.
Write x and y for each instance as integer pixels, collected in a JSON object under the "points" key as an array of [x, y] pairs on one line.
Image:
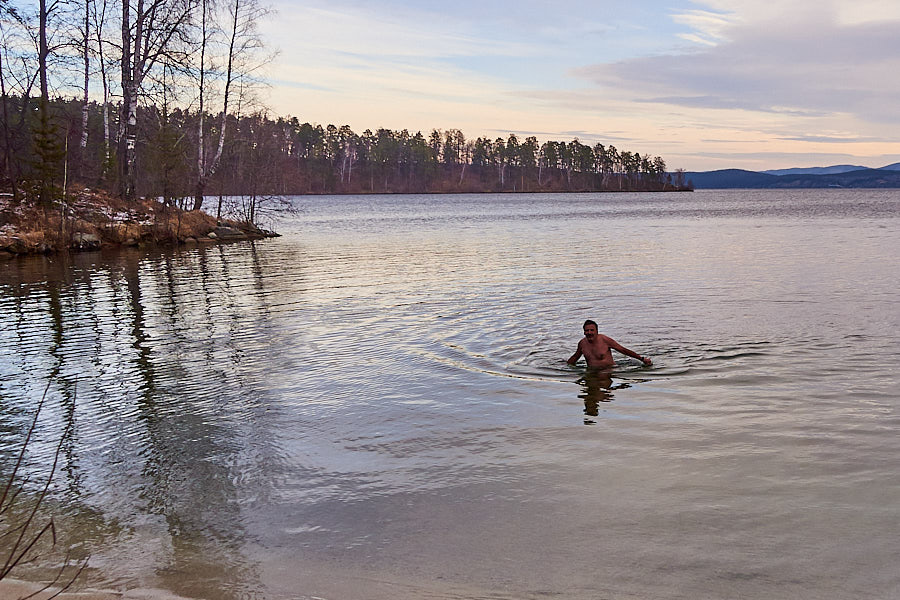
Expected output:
{"points": [[228, 233], [85, 241]]}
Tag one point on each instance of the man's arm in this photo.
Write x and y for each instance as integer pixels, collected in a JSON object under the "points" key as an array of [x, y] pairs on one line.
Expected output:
{"points": [[620, 348], [574, 358]]}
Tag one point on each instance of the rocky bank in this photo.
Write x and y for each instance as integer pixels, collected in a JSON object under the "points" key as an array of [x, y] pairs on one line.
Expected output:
{"points": [[91, 219]]}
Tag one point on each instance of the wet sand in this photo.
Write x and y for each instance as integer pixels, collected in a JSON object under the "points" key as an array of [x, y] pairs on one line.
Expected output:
{"points": [[11, 589]]}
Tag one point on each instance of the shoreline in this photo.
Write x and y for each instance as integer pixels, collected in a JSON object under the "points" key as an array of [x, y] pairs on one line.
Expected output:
{"points": [[490, 193], [12, 589], [93, 220]]}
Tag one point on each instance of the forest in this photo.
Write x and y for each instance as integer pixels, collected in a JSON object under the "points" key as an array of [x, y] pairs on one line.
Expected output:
{"points": [[161, 98]]}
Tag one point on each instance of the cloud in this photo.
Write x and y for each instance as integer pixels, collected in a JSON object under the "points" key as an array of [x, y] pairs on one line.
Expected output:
{"points": [[867, 11], [708, 27], [681, 78], [825, 139], [693, 37], [723, 103], [811, 159], [802, 63], [373, 33]]}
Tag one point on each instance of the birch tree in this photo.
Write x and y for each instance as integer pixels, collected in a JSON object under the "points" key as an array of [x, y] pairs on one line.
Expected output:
{"points": [[99, 20], [152, 31], [46, 143], [18, 75], [86, 58], [241, 44]]}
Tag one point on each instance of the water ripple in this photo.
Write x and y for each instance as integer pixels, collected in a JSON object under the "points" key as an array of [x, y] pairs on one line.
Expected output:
{"points": [[388, 390]]}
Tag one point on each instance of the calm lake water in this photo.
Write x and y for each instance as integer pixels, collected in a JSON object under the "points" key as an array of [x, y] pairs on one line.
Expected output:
{"points": [[376, 405]]}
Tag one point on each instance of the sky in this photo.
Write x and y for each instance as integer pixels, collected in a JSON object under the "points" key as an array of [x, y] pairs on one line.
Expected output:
{"points": [[706, 84]]}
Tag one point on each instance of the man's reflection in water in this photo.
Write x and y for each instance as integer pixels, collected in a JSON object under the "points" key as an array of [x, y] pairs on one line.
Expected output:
{"points": [[596, 387]]}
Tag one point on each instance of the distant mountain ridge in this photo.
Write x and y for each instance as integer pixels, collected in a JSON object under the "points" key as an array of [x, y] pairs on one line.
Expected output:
{"points": [[815, 170], [836, 176]]}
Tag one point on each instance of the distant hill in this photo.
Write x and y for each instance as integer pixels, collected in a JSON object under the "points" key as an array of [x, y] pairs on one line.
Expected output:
{"points": [[815, 170], [885, 177], [730, 178]]}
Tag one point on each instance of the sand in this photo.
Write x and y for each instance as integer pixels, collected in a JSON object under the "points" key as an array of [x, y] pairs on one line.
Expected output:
{"points": [[13, 589]]}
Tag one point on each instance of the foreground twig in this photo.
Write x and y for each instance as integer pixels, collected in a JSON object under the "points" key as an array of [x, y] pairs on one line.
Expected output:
{"points": [[27, 539]]}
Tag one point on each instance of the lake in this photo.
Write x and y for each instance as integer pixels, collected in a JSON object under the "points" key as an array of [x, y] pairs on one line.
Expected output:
{"points": [[376, 405]]}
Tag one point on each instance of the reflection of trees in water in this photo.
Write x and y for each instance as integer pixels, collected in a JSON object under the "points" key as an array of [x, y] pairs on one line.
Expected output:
{"points": [[597, 387], [67, 387], [155, 343], [186, 482]]}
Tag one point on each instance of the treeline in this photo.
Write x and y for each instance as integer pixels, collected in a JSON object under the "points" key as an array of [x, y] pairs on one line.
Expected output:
{"points": [[262, 155], [126, 62], [316, 159], [165, 107]]}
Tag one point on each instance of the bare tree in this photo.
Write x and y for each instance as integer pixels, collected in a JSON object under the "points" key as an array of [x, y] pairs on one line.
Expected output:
{"points": [[242, 43], [202, 170], [18, 74], [99, 18], [46, 141], [86, 58], [152, 30]]}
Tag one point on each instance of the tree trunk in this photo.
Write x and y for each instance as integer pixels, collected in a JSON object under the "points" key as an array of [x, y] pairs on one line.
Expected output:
{"points": [[7, 137], [43, 52], [207, 171], [129, 141], [201, 162], [107, 142], [100, 19], [156, 30], [126, 190], [84, 107]]}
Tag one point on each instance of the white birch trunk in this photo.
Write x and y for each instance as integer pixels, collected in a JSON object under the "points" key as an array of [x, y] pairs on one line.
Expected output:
{"points": [[201, 163], [207, 170], [87, 64]]}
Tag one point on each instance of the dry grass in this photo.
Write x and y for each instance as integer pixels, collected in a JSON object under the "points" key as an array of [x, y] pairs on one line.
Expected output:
{"points": [[193, 223]]}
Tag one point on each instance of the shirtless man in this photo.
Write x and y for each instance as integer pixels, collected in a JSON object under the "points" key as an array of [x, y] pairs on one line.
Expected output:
{"points": [[597, 349]]}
